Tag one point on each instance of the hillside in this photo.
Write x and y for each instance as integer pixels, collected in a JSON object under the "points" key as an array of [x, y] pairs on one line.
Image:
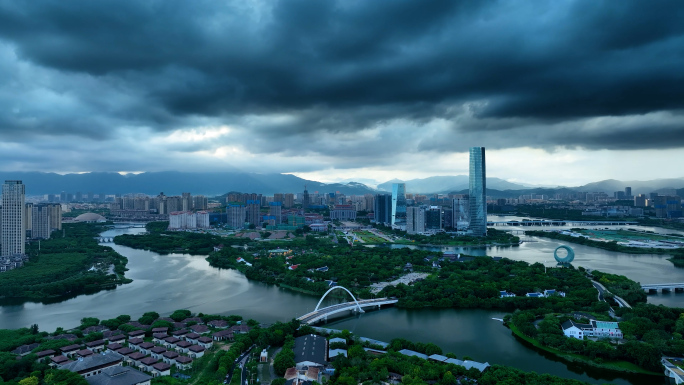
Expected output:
{"points": [[173, 183]]}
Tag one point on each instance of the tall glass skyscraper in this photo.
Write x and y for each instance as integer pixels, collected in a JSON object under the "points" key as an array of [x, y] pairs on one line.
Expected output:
{"points": [[399, 205], [13, 232], [383, 208], [478, 192]]}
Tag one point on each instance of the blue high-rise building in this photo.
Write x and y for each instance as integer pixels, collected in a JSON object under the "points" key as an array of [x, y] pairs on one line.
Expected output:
{"points": [[399, 205], [478, 192], [383, 208]]}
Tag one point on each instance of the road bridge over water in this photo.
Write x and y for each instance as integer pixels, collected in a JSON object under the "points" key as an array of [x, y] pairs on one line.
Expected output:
{"points": [[322, 314], [552, 222], [664, 287]]}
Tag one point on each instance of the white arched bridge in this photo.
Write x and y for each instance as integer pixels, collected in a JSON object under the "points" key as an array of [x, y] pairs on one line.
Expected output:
{"points": [[322, 314]]}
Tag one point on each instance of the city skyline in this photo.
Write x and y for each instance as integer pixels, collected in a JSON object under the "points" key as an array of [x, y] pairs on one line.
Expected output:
{"points": [[320, 92]]}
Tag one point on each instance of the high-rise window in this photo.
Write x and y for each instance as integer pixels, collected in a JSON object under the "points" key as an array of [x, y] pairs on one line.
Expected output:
{"points": [[478, 192], [399, 205]]}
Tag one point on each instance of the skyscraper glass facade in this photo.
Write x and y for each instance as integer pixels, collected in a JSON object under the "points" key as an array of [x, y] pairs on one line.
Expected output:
{"points": [[399, 205], [383, 208], [478, 192], [13, 229]]}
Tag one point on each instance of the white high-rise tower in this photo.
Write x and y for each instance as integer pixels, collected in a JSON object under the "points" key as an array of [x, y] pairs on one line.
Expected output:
{"points": [[13, 233]]}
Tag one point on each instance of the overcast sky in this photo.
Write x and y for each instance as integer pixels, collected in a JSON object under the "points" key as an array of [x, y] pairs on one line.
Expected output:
{"points": [[559, 92]]}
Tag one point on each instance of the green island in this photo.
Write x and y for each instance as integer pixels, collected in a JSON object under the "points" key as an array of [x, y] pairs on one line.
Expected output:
{"points": [[677, 255], [494, 238], [419, 278], [68, 264], [550, 211], [365, 362]]}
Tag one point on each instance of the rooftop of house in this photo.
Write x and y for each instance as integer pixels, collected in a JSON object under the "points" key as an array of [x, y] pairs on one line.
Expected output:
{"points": [[116, 337], [291, 373], [95, 343], [192, 336], [114, 346], [95, 329], [570, 323], [407, 352], [70, 337], [125, 351], [604, 325], [204, 340], [184, 360], [170, 354], [118, 375], [199, 328], [59, 359], [218, 323], [44, 353], [336, 352], [111, 333], [136, 356], [196, 348], [93, 362], [311, 348], [24, 349], [161, 366], [70, 348], [85, 352], [149, 361]]}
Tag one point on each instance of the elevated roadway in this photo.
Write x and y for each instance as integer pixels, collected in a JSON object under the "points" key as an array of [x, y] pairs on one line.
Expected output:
{"points": [[551, 222], [665, 287], [602, 291], [322, 314]]}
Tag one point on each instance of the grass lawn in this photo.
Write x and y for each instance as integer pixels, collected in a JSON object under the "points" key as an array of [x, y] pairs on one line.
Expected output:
{"points": [[626, 235], [369, 237], [264, 373], [203, 369], [622, 366]]}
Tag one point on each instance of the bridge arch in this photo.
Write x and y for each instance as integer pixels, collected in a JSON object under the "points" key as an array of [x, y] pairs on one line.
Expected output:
{"points": [[343, 288]]}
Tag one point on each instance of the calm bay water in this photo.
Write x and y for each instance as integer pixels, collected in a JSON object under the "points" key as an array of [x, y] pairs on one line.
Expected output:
{"points": [[167, 283]]}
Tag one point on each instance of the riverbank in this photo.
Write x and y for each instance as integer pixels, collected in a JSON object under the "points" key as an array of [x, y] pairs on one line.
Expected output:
{"points": [[219, 359], [677, 254], [619, 366], [68, 264]]}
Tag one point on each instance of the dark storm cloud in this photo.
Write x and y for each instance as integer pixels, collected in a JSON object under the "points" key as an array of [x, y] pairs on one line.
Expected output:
{"points": [[350, 65]]}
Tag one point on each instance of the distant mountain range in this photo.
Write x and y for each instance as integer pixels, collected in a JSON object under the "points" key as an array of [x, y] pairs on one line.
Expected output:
{"points": [[499, 188], [218, 183], [174, 183], [445, 184], [638, 187]]}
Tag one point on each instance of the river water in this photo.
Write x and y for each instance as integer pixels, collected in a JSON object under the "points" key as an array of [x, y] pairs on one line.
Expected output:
{"points": [[182, 281]]}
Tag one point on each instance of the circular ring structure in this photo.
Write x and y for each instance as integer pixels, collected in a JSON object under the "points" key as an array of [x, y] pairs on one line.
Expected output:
{"points": [[568, 258]]}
